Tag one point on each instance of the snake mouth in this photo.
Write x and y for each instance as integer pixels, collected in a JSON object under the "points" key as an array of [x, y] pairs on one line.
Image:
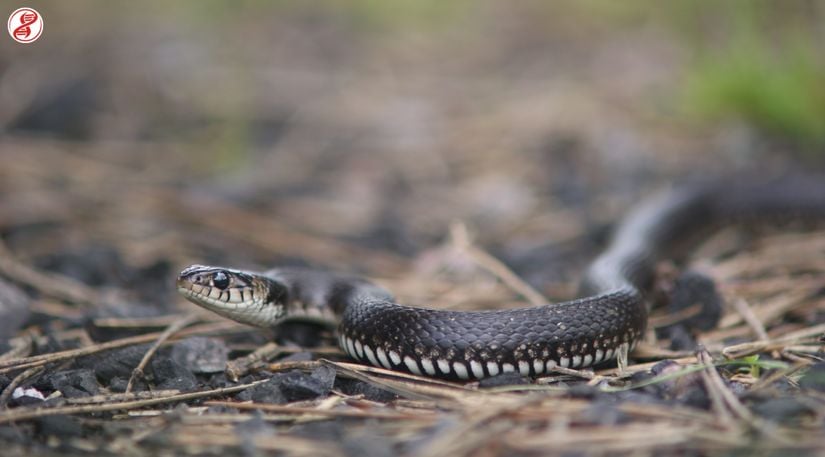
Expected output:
{"points": [[218, 286]]}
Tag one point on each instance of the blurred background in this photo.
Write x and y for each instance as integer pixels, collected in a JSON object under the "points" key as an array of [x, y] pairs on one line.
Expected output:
{"points": [[365, 136], [457, 152]]}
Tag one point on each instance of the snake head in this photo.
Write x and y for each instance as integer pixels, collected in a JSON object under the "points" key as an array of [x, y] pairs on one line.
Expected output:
{"points": [[242, 296]]}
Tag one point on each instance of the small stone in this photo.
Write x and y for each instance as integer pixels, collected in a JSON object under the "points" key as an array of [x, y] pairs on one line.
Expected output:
{"points": [[641, 383], [118, 384], [367, 444], [602, 412], [219, 381], [641, 377], [169, 374], [119, 363], [585, 391], [640, 397], [21, 392], [680, 338], [331, 430], [782, 409], [369, 391], [27, 396], [4, 381], [13, 434], [75, 383], [60, 425], [695, 397], [665, 367], [267, 392], [296, 385], [814, 378], [325, 375], [201, 355], [253, 427]]}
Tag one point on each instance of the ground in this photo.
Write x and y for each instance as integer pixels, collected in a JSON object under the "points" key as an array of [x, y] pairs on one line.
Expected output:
{"points": [[463, 157]]}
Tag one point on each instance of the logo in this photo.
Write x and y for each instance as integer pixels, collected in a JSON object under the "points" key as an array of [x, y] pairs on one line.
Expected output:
{"points": [[25, 25]]}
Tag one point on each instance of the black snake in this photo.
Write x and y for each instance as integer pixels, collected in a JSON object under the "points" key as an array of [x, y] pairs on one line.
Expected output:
{"points": [[611, 317]]}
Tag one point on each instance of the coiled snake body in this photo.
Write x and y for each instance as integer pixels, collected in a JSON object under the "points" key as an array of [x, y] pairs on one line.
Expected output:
{"points": [[610, 317]]}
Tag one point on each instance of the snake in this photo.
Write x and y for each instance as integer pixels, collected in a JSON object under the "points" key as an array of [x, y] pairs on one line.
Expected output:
{"points": [[608, 319]]}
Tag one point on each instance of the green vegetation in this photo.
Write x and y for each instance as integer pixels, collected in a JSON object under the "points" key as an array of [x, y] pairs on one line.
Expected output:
{"points": [[753, 366], [765, 72], [750, 364], [758, 61]]}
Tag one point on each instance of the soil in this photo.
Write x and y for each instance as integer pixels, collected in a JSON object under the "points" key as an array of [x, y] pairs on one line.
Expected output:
{"points": [[462, 167]]}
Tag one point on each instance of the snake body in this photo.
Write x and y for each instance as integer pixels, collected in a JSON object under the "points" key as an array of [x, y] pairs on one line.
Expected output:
{"points": [[609, 318]]}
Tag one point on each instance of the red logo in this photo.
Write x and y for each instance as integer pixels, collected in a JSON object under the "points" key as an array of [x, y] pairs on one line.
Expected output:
{"points": [[25, 25]]}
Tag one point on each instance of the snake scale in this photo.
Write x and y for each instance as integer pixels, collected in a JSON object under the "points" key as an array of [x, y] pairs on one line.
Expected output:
{"points": [[609, 318]]}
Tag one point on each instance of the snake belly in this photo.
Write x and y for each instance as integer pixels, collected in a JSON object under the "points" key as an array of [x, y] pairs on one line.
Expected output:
{"points": [[610, 317]]}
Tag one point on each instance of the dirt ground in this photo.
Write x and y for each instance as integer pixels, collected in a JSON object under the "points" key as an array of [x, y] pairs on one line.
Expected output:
{"points": [[464, 156]]}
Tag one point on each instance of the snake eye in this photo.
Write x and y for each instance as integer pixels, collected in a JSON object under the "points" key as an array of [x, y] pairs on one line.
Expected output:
{"points": [[220, 280]]}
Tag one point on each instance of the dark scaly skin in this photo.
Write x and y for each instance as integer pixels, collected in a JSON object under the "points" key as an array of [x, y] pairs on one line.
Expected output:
{"points": [[610, 319]]}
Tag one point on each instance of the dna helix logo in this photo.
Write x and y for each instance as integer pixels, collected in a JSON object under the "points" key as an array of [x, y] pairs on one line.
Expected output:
{"points": [[25, 25]]}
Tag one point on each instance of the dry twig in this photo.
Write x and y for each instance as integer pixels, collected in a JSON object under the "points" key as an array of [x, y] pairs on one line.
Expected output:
{"points": [[165, 335]]}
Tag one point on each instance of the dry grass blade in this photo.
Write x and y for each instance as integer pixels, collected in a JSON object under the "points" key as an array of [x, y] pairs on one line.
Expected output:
{"points": [[165, 335], [25, 413], [751, 319], [670, 318], [583, 374], [467, 436], [773, 309], [136, 322], [391, 415], [267, 232], [258, 359], [766, 381], [810, 335], [415, 387], [39, 360], [118, 397], [241, 366], [199, 439], [460, 237], [716, 395], [641, 367], [19, 379], [50, 284], [21, 346], [726, 402], [633, 437], [330, 138]]}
